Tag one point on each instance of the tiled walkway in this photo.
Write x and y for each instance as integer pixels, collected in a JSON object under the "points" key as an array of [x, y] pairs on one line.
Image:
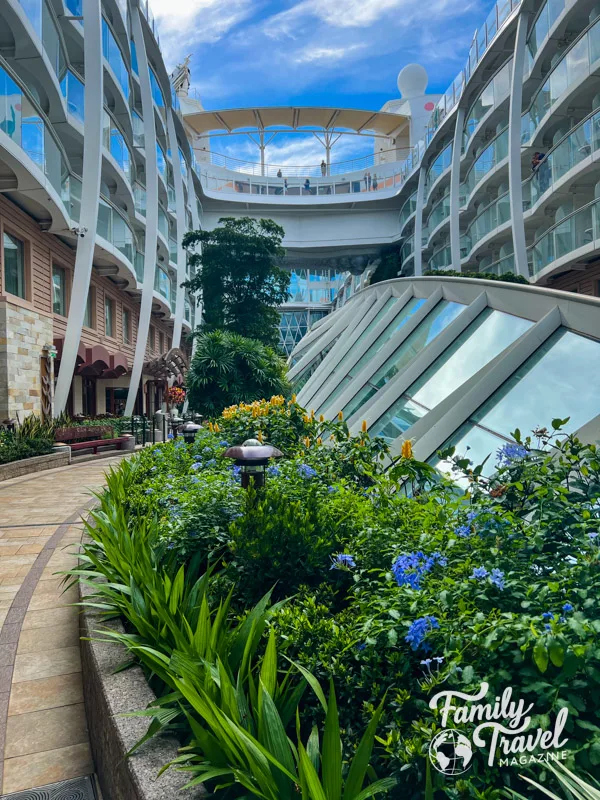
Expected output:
{"points": [[43, 730]]}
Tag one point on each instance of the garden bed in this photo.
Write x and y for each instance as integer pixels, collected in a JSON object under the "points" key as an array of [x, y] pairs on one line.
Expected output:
{"points": [[250, 611]]}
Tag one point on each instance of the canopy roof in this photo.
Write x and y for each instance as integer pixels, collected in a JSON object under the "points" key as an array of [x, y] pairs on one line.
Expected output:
{"points": [[306, 119]]}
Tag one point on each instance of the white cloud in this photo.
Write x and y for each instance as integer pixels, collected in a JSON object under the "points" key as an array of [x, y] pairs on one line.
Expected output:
{"points": [[327, 54]]}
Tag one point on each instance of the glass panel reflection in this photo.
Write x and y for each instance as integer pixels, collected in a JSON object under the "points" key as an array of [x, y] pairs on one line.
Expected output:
{"points": [[482, 341]]}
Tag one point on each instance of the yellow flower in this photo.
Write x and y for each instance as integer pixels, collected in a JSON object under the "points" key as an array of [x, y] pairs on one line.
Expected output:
{"points": [[293, 398], [216, 427], [406, 451], [364, 426], [321, 418], [319, 441], [306, 441], [260, 437], [305, 418], [312, 413], [340, 415], [210, 427]]}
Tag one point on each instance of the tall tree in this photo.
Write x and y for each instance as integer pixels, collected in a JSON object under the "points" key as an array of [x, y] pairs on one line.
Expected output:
{"points": [[238, 276]]}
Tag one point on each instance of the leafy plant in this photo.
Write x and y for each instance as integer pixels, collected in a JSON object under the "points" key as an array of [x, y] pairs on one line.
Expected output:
{"points": [[239, 279], [576, 787], [227, 368]]}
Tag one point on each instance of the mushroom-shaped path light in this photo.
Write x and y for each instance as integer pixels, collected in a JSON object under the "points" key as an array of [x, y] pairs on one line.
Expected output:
{"points": [[253, 457]]}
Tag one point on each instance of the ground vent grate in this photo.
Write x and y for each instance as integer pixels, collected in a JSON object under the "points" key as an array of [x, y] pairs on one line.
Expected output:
{"points": [[78, 789]]}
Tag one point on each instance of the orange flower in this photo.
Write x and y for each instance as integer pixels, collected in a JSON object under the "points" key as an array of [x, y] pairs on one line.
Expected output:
{"points": [[364, 426], [340, 415], [406, 451]]}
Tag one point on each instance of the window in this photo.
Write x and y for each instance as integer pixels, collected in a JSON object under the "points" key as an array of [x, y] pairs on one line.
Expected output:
{"points": [[89, 318], [59, 291], [151, 337], [161, 342], [109, 317], [14, 265], [126, 326]]}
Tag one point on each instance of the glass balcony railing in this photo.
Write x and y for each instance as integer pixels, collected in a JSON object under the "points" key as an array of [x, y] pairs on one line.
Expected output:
{"points": [[577, 146], [171, 201], [172, 250], [500, 267], [441, 259], [310, 187], [187, 309], [485, 162], [139, 196], [43, 22], [551, 11], [162, 283], [407, 249], [139, 266], [495, 91], [157, 94], [579, 229], [496, 214], [161, 162], [163, 223], [408, 209], [497, 19], [71, 196], [578, 62], [116, 230], [112, 53], [173, 296], [115, 143], [21, 121], [183, 166], [440, 165], [138, 130], [439, 213], [73, 92]]}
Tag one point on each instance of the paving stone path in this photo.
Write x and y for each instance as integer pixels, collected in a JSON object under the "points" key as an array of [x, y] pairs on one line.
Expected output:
{"points": [[43, 728]]}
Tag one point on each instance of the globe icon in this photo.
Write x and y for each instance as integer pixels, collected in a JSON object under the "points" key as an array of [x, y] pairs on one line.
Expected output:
{"points": [[450, 752]]}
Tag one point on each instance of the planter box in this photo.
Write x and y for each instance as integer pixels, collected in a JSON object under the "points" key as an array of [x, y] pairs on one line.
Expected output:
{"points": [[26, 466], [108, 695]]}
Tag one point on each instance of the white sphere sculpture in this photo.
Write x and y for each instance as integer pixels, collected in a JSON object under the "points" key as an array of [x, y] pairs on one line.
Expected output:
{"points": [[412, 81]]}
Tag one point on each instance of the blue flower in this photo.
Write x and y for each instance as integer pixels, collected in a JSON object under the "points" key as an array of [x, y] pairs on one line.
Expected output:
{"points": [[306, 472], [207, 450], [480, 573], [273, 470], [426, 662], [593, 536], [342, 561], [197, 465], [211, 462], [170, 476], [472, 516], [408, 569], [194, 479], [361, 646], [236, 471], [170, 436], [547, 627], [170, 546], [197, 457], [567, 607], [497, 578], [149, 491], [509, 453], [548, 615], [223, 443], [463, 530], [332, 489], [439, 659], [419, 629]]}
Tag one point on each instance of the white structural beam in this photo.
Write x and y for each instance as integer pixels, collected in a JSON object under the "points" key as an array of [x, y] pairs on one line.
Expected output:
{"points": [[418, 247], [90, 198], [455, 190], [151, 210], [515, 177], [180, 228]]}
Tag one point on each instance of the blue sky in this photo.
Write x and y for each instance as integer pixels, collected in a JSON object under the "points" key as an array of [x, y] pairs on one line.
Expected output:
{"points": [[314, 52]]}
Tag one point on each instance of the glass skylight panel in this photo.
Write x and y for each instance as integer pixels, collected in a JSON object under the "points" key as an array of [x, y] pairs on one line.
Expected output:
{"points": [[433, 324], [399, 320], [484, 339], [561, 379]]}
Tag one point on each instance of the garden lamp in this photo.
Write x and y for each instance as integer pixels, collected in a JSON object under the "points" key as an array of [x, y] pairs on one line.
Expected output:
{"points": [[189, 431], [253, 457]]}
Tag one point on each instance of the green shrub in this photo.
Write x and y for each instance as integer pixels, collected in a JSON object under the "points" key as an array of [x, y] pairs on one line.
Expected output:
{"points": [[506, 277], [228, 368]]}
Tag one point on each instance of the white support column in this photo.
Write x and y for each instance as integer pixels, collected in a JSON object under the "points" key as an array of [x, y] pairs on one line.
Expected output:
{"points": [[418, 251], [151, 210], [455, 190], [180, 211], [90, 197], [515, 177], [196, 226]]}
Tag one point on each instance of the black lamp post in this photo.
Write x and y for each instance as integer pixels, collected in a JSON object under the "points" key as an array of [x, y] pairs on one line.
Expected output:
{"points": [[253, 458], [189, 430]]}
